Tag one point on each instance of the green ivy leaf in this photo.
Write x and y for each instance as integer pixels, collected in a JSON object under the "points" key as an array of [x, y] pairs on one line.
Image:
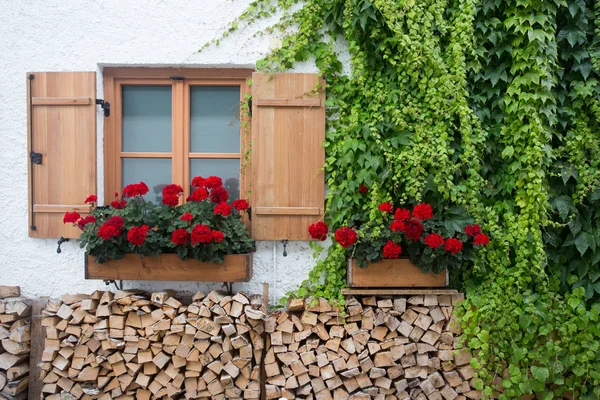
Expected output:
{"points": [[540, 373]]}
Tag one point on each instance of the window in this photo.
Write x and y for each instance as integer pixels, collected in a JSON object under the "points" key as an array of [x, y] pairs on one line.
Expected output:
{"points": [[170, 125]]}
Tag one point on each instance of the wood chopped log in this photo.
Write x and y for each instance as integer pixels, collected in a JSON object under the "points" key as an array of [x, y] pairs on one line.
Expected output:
{"points": [[15, 340], [132, 346]]}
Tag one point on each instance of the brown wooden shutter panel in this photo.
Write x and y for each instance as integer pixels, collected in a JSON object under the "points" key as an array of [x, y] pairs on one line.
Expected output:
{"points": [[61, 111], [288, 130]]}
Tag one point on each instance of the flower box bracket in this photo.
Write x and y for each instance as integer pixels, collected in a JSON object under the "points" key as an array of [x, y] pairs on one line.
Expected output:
{"points": [[393, 273], [169, 267]]}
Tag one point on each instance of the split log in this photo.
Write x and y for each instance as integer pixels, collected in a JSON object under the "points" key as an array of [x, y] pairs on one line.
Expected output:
{"points": [[15, 341]]}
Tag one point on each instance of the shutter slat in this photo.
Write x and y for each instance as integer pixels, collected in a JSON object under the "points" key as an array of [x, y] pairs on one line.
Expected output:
{"points": [[62, 125], [288, 130]]}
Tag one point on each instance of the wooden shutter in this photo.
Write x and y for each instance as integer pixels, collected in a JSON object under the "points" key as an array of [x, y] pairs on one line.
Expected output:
{"points": [[61, 113], [288, 130]]}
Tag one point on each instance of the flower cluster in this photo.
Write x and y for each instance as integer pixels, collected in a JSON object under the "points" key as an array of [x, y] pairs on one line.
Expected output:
{"points": [[205, 227], [429, 241]]}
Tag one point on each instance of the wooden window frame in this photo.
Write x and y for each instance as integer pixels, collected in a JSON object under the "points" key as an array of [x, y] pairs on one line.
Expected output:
{"points": [[115, 78]]}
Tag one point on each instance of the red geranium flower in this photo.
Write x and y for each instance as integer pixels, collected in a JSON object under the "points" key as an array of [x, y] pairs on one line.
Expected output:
{"points": [[386, 207], [219, 195], [402, 214], [135, 189], [453, 245], [180, 236], [92, 198], [187, 217], [201, 234], [472, 229], [318, 230], [116, 220], [223, 208], [413, 230], [108, 230], [213, 182], [397, 226], [362, 189], [71, 217], [85, 220], [422, 211], [198, 195], [240, 204], [217, 236], [198, 181], [481, 239], [345, 236], [172, 189], [434, 240], [137, 235], [118, 204], [170, 200], [391, 250]]}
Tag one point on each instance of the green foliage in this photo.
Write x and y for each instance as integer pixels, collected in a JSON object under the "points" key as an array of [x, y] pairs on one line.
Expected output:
{"points": [[487, 104]]}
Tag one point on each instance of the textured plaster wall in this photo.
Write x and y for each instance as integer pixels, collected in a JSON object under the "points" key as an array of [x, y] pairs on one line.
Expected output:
{"points": [[87, 35]]}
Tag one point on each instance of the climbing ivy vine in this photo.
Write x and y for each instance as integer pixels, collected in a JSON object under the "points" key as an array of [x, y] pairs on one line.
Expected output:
{"points": [[487, 104]]}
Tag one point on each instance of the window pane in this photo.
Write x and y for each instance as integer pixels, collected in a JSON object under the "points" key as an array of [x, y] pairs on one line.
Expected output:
{"points": [[146, 118], [226, 169], [155, 172], [214, 119]]}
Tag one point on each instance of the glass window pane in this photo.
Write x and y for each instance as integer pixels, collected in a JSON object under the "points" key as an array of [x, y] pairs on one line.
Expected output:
{"points": [[215, 119], [226, 169], [155, 172], [146, 118]]}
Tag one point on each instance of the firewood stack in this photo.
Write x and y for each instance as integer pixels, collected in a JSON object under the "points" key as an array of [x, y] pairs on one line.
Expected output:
{"points": [[15, 323], [387, 348], [128, 346]]}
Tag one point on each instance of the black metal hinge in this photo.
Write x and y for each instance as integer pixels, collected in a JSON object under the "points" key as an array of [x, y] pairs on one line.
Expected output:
{"points": [[177, 78], [105, 105], [35, 158]]}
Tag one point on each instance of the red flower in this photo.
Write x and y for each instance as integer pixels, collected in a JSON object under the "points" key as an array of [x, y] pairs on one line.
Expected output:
{"points": [[180, 236], [362, 189], [170, 200], [391, 250], [198, 182], [318, 230], [135, 189], [116, 220], [402, 214], [223, 208], [172, 189], [71, 217], [345, 236], [434, 240], [201, 234], [397, 226], [240, 204], [92, 198], [422, 211], [472, 229], [198, 195], [86, 220], [187, 217], [481, 239], [108, 230], [413, 230], [217, 236], [219, 195], [386, 207], [118, 204], [453, 245], [213, 182], [137, 235]]}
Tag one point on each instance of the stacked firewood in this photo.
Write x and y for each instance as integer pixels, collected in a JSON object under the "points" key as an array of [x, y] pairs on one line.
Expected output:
{"points": [[130, 346], [385, 348], [15, 341]]}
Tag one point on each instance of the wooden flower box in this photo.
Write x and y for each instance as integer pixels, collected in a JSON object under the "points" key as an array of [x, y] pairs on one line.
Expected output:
{"points": [[392, 273], [169, 267]]}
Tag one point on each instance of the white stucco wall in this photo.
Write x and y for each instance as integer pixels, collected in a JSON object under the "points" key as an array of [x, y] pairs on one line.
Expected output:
{"points": [[87, 35]]}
